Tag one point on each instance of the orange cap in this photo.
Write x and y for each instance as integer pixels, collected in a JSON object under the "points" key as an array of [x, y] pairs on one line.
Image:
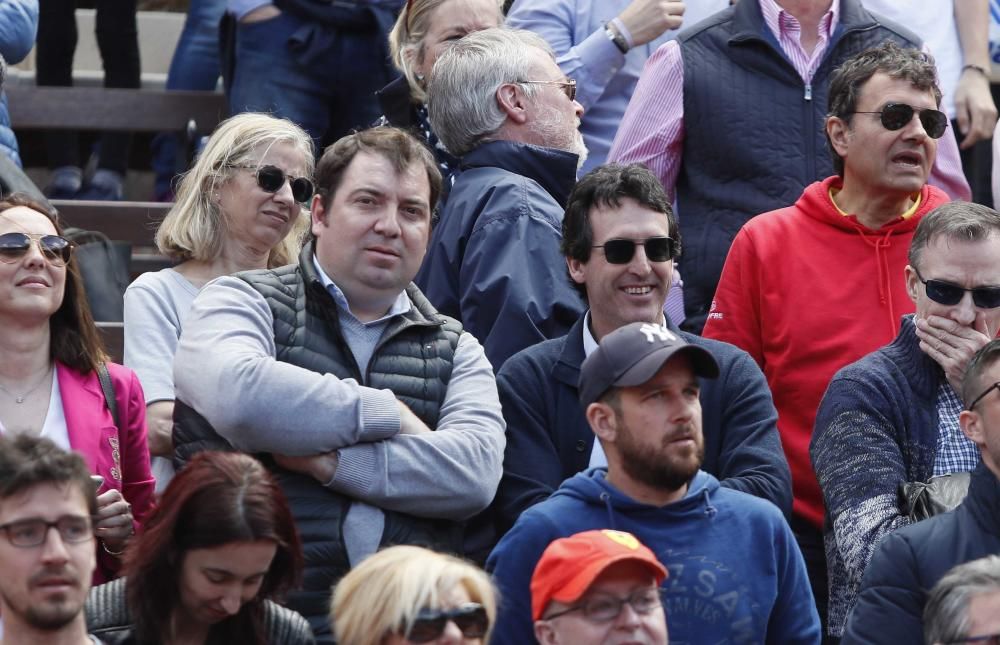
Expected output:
{"points": [[570, 565]]}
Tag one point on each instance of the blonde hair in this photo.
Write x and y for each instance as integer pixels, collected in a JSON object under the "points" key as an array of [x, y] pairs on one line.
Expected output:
{"points": [[406, 40], [384, 594], [195, 227]]}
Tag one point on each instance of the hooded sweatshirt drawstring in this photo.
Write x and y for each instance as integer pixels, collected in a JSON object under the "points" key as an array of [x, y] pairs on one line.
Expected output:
{"points": [[881, 246], [710, 511], [611, 511]]}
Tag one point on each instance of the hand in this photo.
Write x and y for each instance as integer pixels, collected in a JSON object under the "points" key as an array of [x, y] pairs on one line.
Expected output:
{"points": [[647, 19], [321, 467], [410, 423], [974, 108], [113, 522], [952, 345]]}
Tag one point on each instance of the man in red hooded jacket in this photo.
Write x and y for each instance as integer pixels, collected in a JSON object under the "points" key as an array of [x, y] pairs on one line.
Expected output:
{"points": [[809, 288]]}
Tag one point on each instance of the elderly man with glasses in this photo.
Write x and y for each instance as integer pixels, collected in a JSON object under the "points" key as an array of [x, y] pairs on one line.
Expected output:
{"points": [[910, 561], [498, 101], [893, 416], [812, 287]]}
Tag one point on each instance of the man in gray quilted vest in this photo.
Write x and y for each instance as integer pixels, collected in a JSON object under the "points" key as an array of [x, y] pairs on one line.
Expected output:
{"points": [[381, 414]]}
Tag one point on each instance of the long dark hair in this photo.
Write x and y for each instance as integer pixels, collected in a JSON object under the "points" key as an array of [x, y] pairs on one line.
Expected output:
{"points": [[74, 339], [219, 498]]}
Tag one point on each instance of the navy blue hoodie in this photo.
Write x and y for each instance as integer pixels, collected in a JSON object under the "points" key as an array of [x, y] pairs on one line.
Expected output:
{"points": [[736, 573]]}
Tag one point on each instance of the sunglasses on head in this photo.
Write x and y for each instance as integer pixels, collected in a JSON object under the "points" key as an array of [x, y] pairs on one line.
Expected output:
{"points": [[946, 293], [14, 246], [658, 249], [895, 116], [470, 618], [272, 178]]}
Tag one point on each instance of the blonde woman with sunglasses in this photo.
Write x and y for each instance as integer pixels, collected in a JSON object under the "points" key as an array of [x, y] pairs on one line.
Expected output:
{"points": [[51, 370], [241, 206]]}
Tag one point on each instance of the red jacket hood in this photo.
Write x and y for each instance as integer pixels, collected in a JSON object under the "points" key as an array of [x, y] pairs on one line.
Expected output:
{"points": [[815, 202]]}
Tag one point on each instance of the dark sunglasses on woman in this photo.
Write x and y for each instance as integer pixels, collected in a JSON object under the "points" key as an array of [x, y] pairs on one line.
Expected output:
{"points": [[470, 618], [272, 178], [895, 116], [13, 246], [658, 249], [949, 294]]}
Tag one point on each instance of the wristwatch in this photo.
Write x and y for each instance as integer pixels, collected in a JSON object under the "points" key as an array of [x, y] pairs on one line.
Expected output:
{"points": [[615, 36]]}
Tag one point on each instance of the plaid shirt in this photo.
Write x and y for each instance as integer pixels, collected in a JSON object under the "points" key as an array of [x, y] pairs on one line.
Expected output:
{"points": [[955, 453]]}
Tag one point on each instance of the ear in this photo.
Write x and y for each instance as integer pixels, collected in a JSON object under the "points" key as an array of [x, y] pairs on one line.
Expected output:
{"points": [[577, 270], [913, 283], [317, 214], [840, 134], [513, 102], [972, 426], [603, 421], [544, 633]]}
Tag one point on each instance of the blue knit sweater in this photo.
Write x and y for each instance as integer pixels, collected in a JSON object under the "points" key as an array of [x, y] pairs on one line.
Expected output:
{"points": [[876, 427]]}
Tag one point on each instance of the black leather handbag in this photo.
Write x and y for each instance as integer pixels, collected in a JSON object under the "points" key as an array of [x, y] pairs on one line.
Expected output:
{"points": [[104, 266], [921, 500]]}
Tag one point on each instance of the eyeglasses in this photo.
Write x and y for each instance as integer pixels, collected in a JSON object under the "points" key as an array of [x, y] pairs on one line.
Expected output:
{"points": [[32, 532], [985, 639], [896, 115], [13, 246], [603, 608], [470, 618], [946, 293], [983, 395], [568, 86], [272, 178], [658, 249]]}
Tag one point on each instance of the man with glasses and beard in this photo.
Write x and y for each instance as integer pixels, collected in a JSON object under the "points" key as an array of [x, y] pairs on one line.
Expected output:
{"points": [[893, 416], [736, 574], [910, 562], [498, 100], [47, 545], [620, 240], [812, 287]]}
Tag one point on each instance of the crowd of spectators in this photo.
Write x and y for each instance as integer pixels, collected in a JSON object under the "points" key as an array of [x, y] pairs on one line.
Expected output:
{"points": [[555, 322]]}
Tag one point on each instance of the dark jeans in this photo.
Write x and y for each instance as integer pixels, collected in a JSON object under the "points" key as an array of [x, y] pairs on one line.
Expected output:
{"points": [[117, 39], [810, 540]]}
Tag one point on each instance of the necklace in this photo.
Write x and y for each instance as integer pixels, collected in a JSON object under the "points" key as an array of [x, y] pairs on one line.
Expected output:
{"points": [[20, 399]]}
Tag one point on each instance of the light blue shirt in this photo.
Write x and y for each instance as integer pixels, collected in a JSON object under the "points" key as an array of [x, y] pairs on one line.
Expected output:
{"points": [[605, 78]]}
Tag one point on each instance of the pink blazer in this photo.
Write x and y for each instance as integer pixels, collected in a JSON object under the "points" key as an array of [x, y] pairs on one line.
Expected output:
{"points": [[120, 455]]}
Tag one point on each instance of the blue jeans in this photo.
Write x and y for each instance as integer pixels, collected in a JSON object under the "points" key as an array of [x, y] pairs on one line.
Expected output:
{"points": [[195, 66], [320, 77]]}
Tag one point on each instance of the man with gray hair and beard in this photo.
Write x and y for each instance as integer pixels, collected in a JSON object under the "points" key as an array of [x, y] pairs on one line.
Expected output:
{"points": [[498, 100]]}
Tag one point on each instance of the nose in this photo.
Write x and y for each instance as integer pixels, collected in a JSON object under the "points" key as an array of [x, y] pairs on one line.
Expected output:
{"points": [[387, 223], [284, 194], [34, 256], [639, 264], [54, 549], [578, 109], [628, 618], [232, 601], [915, 128], [451, 635], [964, 313]]}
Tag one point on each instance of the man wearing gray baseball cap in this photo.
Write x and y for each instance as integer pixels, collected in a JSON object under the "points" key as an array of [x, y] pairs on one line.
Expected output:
{"points": [[736, 573]]}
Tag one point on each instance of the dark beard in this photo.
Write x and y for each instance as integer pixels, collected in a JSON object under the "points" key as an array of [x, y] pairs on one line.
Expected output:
{"points": [[650, 468]]}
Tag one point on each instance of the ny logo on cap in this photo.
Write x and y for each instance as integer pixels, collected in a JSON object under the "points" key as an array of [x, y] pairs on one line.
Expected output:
{"points": [[659, 331]]}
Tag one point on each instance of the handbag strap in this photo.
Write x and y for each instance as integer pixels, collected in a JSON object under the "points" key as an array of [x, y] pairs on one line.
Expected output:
{"points": [[109, 391]]}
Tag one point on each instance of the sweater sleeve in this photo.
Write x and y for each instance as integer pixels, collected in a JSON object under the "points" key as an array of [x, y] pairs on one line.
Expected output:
{"points": [[451, 473], [151, 330], [859, 466], [735, 313], [225, 368], [18, 26]]}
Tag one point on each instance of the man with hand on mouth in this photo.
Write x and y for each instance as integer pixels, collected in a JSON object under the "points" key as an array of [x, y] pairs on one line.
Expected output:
{"points": [[736, 575], [47, 547], [620, 240], [812, 287], [893, 416]]}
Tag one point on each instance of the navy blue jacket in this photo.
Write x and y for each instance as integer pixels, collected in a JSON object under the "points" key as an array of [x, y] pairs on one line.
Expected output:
{"points": [[910, 561], [494, 261], [549, 439]]}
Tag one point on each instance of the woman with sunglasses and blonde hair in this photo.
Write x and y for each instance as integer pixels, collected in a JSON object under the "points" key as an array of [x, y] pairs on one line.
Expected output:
{"points": [[55, 380], [240, 207], [408, 594], [422, 31]]}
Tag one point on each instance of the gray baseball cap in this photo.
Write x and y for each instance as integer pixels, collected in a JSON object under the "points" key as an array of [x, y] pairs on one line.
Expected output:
{"points": [[633, 354]]}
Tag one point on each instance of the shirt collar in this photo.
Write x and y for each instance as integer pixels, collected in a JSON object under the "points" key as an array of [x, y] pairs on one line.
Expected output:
{"points": [[778, 20], [589, 342], [401, 305]]}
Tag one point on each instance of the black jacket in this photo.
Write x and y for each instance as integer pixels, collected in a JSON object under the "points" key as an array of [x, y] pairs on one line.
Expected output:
{"points": [[911, 560]]}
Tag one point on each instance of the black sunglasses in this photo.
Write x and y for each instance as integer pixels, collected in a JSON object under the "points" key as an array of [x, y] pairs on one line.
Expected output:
{"points": [[13, 246], [896, 115], [272, 178], [658, 249], [946, 293], [470, 618], [985, 639]]}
